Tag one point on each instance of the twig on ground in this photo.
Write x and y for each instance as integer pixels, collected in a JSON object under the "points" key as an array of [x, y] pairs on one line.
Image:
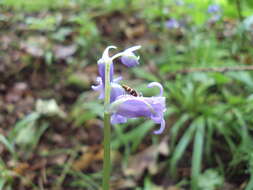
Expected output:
{"points": [[213, 69]]}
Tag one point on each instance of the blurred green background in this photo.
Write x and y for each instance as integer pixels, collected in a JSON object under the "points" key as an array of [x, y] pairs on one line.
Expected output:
{"points": [[51, 121]]}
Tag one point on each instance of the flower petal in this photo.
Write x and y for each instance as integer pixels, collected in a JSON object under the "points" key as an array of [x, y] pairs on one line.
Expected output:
{"points": [[115, 118], [101, 70], [214, 8], [156, 84], [99, 88], [172, 24], [116, 90], [132, 107], [161, 129], [130, 59]]}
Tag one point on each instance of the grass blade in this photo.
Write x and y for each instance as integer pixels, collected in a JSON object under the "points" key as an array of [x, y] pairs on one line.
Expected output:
{"points": [[176, 127], [197, 151], [7, 143], [181, 146], [136, 135]]}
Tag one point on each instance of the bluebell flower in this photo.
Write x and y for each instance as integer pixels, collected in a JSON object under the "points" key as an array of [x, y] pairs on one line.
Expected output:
{"points": [[172, 24], [128, 58], [124, 106], [127, 106], [213, 8]]}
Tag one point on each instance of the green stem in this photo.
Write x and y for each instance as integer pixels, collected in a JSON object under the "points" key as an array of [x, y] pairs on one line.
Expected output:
{"points": [[107, 131], [239, 10], [107, 148], [240, 18], [161, 7]]}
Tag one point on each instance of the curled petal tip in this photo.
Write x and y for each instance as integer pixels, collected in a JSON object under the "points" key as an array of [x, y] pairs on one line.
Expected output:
{"points": [[156, 84], [161, 129]]}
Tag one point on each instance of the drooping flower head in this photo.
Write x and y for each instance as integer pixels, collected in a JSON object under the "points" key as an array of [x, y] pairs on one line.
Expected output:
{"points": [[127, 106], [128, 58], [124, 106]]}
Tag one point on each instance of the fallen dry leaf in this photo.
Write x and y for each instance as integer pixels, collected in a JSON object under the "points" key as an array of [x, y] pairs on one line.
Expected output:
{"points": [[135, 32], [163, 147], [123, 184], [21, 168], [84, 162], [93, 153], [142, 161], [63, 52], [35, 45]]}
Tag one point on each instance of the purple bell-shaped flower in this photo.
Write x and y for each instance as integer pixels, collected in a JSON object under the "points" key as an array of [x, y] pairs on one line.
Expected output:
{"points": [[127, 106]]}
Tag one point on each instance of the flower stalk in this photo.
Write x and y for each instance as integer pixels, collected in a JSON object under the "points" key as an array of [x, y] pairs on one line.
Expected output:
{"points": [[107, 130]]}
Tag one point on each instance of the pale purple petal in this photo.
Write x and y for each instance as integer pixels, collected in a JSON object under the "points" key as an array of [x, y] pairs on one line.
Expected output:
{"points": [[116, 90], [161, 129], [156, 84], [213, 8], [132, 107], [101, 70], [130, 60], [172, 24], [99, 88], [115, 119]]}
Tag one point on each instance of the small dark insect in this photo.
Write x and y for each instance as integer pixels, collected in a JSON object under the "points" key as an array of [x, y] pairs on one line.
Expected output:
{"points": [[130, 90]]}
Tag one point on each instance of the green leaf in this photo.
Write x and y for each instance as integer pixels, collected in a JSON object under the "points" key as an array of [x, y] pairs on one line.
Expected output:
{"points": [[176, 127], [7, 143], [135, 135], [28, 120], [181, 146], [197, 151], [2, 182], [145, 75]]}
